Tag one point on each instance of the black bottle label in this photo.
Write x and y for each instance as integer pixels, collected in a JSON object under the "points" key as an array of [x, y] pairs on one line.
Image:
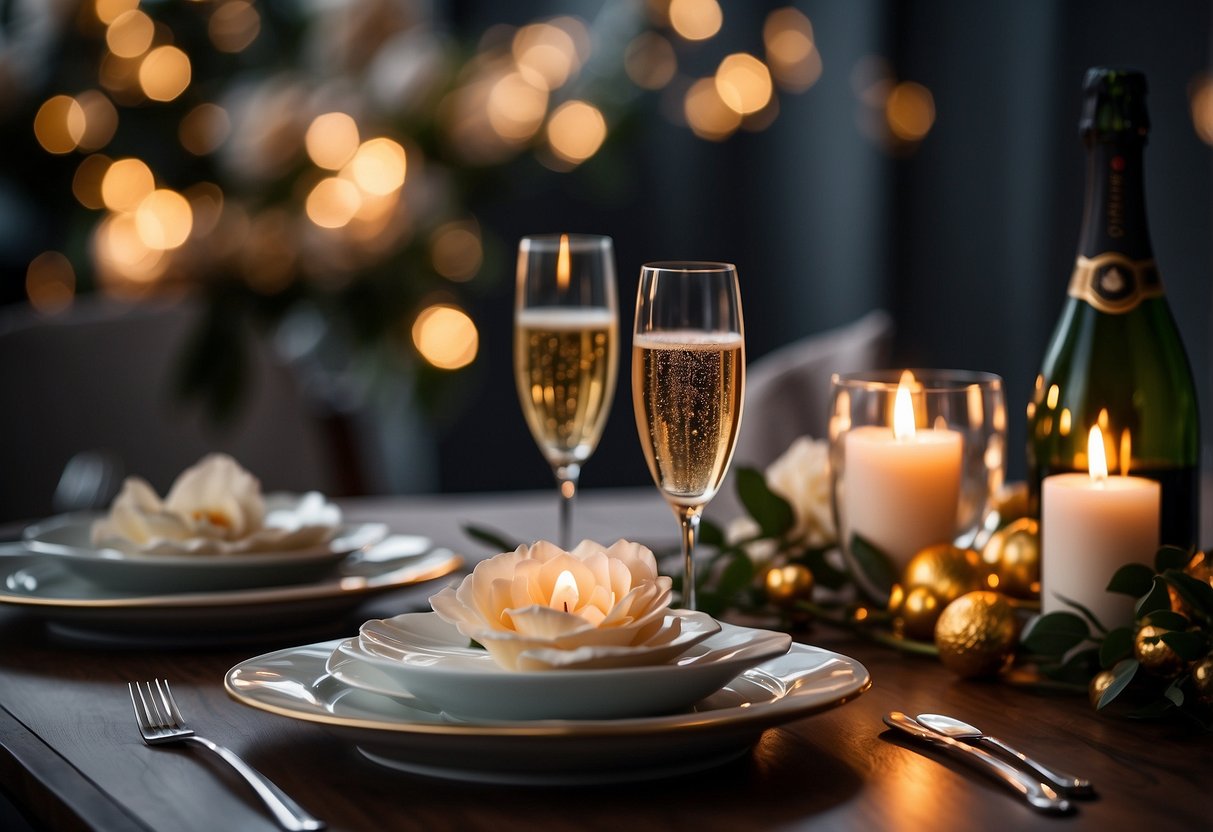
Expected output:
{"points": [[1113, 283]]}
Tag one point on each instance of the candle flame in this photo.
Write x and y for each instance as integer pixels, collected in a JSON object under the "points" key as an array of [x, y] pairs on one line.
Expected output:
{"points": [[562, 263], [903, 408], [565, 591], [1097, 458]]}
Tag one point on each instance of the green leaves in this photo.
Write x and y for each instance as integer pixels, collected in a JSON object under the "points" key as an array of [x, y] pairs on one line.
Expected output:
{"points": [[1123, 674], [772, 513], [1196, 594], [1132, 579], [1157, 598], [1055, 633], [1171, 557], [494, 539], [876, 567], [1117, 645]]}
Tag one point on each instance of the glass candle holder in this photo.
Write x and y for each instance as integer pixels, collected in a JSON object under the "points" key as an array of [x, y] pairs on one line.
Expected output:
{"points": [[915, 458]]}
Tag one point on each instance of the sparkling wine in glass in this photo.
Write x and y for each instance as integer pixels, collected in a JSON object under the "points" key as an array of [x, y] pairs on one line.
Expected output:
{"points": [[688, 381], [566, 335]]}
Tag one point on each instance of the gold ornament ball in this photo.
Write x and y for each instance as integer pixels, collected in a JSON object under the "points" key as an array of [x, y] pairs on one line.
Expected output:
{"points": [[1011, 501], [948, 571], [919, 612], [1199, 567], [1099, 683], [897, 597], [786, 585], [1202, 679], [976, 634], [1013, 557], [1154, 654]]}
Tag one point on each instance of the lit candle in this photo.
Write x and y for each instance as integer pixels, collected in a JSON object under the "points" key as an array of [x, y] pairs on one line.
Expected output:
{"points": [[564, 594], [902, 483], [1091, 525]]}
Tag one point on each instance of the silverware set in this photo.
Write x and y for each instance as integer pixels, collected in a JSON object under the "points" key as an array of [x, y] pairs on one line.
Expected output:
{"points": [[1045, 788]]}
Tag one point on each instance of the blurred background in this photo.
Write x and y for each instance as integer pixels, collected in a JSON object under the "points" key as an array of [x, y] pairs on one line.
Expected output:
{"points": [[286, 228]]}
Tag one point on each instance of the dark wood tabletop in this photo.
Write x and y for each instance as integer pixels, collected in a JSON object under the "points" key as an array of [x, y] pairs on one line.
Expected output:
{"points": [[70, 757]]}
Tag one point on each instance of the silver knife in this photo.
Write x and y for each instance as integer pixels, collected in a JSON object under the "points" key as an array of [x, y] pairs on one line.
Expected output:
{"points": [[1038, 794]]}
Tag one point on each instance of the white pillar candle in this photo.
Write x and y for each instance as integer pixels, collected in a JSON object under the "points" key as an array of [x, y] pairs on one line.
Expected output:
{"points": [[1090, 526], [902, 484]]}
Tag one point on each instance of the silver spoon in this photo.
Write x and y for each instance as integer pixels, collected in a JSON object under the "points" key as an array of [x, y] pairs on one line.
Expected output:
{"points": [[952, 727]]}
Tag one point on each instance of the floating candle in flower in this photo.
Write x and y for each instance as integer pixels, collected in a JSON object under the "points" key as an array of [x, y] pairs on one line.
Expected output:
{"points": [[540, 607], [1091, 525], [903, 482]]}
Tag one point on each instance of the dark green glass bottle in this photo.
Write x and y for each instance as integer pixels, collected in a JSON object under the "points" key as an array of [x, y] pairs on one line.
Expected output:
{"points": [[1116, 359]]}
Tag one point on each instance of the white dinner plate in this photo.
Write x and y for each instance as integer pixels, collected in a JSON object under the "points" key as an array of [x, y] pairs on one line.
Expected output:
{"points": [[294, 683], [422, 657], [82, 610], [69, 537]]}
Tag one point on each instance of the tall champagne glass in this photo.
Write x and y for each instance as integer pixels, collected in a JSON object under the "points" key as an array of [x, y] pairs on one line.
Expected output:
{"points": [[688, 381], [566, 335]]}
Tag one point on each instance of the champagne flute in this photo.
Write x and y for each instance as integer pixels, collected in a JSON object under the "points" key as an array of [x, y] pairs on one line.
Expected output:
{"points": [[566, 335], [688, 382]]}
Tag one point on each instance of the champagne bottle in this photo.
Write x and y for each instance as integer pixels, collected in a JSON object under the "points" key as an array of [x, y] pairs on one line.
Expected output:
{"points": [[1116, 359]]}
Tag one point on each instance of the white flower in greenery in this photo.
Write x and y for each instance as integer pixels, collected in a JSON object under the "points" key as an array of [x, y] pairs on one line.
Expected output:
{"points": [[801, 475], [760, 552]]}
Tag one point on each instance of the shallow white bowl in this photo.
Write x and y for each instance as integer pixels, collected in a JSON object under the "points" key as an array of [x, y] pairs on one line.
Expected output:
{"points": [[442, 671]]}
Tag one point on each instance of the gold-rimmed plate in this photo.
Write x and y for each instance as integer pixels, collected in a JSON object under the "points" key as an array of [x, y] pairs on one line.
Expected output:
{"points": [[421, 739]]}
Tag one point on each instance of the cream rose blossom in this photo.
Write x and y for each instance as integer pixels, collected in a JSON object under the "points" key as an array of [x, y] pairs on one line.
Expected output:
{"points": [[215, 507], [528, 606]]}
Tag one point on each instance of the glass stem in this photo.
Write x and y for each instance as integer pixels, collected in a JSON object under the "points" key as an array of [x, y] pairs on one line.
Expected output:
{"points": [[688, 516], [567, 476]]}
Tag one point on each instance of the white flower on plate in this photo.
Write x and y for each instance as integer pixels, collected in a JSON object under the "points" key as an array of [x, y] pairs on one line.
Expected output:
{"points": [[540, 607], [215, 507]]}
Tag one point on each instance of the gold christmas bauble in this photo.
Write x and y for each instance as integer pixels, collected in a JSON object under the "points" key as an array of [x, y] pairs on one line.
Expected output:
{"points": [[919, 612], [1012, 557], [1099, 683], [1011, 502], [948, 571], [897, 597], [785, 585], [976, 634], [1202, 679], [1199, 567], [1154, 654]]}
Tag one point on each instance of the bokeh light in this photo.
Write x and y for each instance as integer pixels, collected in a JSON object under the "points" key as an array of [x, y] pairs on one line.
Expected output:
{"points": [[695, 19], [100, 119], [707, 114], [650, 61], [379, 166], [910, 111], [791, 50], [743, 83], [130, 35], [1200, 102], [333, 202], [120, 76], [456, 250], [108, 11], [233, 26], [516, 107], [125, 184], [164, 73], [204, 129], [545, 54], [206, 204], [86, 184], [121, 255], [50, 282], [446, 337], [331, 140], [576, 130], [59, 124], [164, 219]]}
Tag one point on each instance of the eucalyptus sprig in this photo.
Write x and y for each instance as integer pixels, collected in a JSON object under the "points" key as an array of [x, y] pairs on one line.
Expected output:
{"points": [[1075, 647]]}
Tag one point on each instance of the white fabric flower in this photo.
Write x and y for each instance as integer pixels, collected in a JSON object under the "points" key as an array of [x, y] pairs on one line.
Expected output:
{"points": [[524, 605], [801, 475], [215, 507]]}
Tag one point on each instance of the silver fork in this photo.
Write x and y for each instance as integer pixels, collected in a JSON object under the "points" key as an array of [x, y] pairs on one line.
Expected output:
{"points": [[160, 722]]}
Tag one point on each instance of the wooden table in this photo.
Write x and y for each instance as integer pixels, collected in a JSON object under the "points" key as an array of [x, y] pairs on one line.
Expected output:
{"points": [[70, 757]]}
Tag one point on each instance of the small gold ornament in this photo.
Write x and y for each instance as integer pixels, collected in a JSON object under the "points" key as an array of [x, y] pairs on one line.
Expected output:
{"points": [[948, 571], [1099, 683], [897, 597], [1154, 654], [1199, 567], [976, 634], [1011, 502], [1013, 557], [919, 612], [1202, 679], [786, 585]]}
